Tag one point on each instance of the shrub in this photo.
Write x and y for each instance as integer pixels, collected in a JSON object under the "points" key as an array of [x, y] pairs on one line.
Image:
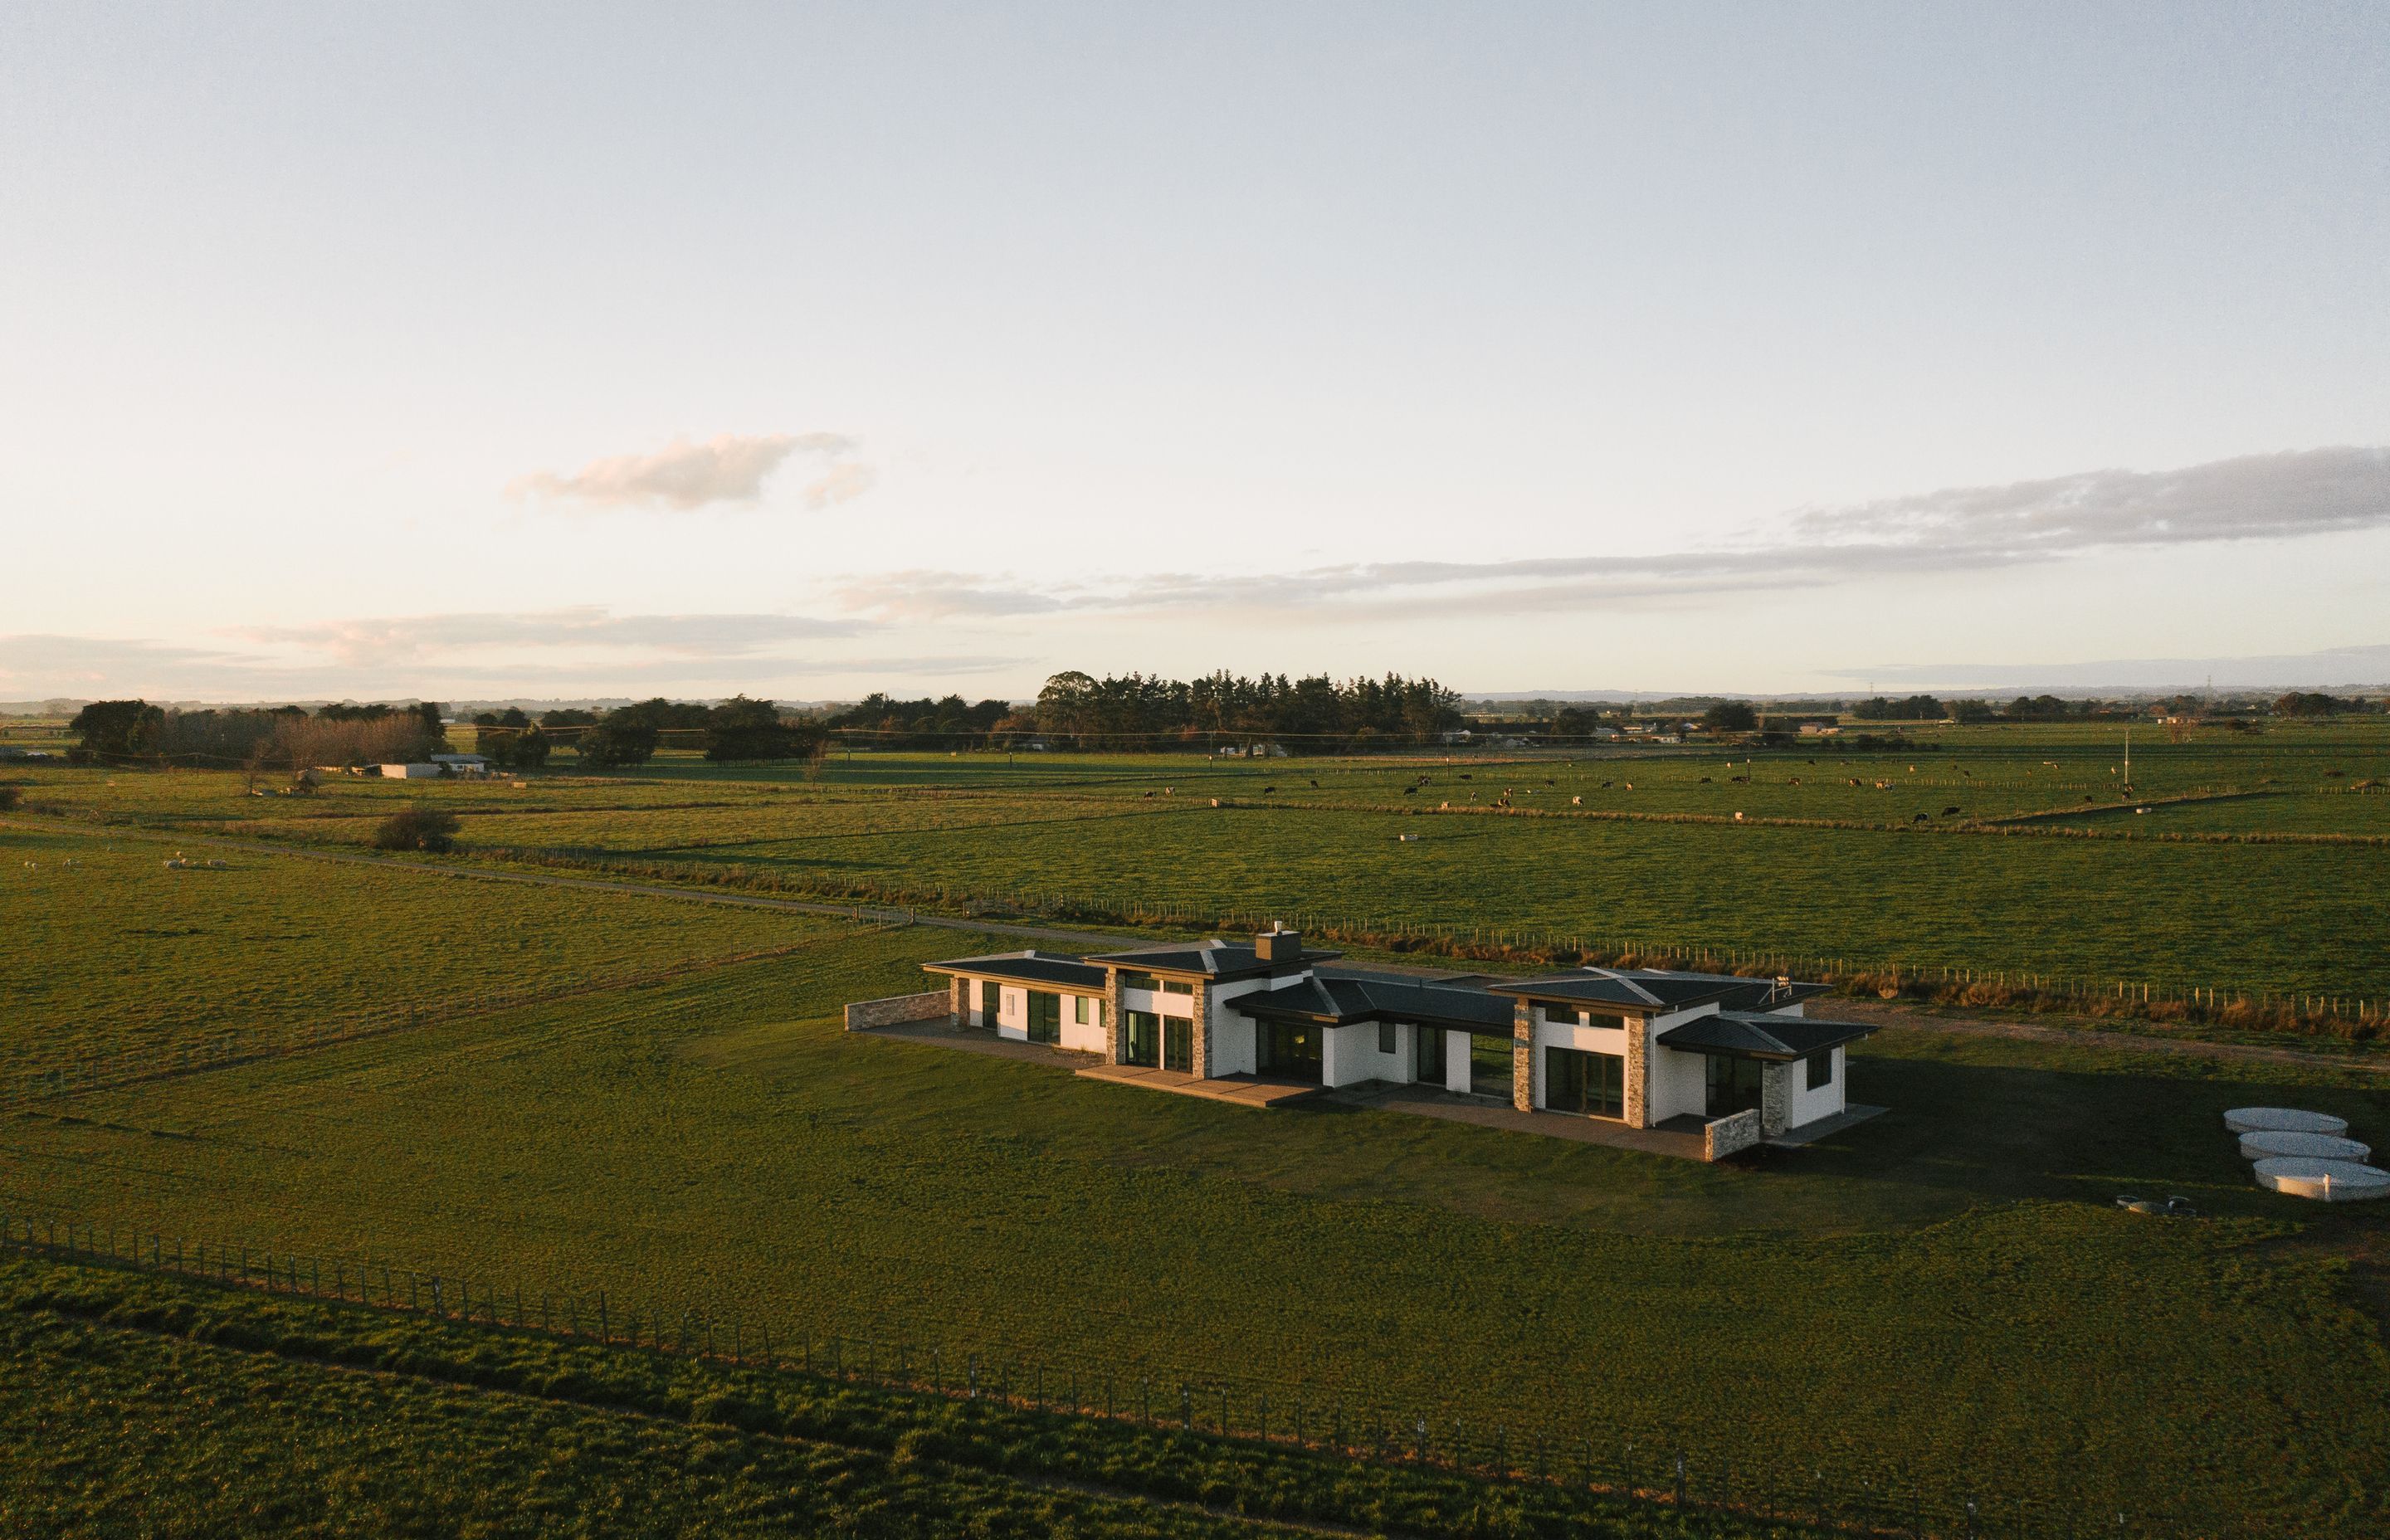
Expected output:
{"points": [[417, 828]]}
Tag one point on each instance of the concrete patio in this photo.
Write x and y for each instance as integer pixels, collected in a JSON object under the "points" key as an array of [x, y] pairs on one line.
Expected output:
{"points": [[1243, 1090]]}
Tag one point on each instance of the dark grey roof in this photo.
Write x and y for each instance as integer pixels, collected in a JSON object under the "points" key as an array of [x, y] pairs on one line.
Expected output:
{"points": [[1210, 959], [1752, 1034], [1658, 990], [1346, 996], [1030, 967]]}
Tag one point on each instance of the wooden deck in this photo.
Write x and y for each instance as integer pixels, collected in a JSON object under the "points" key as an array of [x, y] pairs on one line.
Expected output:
{"points": [[1243, 1090]]}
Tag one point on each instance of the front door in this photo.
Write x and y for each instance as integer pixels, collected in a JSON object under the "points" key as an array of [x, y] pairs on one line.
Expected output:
{"points": [[1143, 1030], [1733, 1085], [1426, 1057], [1178, 1043], [990, 1002]]}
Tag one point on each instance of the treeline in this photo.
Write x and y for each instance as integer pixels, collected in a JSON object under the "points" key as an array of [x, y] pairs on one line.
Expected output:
{"points": [[738, 729], [122, 731], [1137, 710]]}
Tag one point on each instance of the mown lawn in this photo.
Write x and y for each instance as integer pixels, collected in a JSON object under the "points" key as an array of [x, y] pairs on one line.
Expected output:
{"points": [[1946, 1292]]}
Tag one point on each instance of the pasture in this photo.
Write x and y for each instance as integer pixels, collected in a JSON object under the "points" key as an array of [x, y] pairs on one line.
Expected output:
{"points": [[646, 1096], [1919, 1297]]}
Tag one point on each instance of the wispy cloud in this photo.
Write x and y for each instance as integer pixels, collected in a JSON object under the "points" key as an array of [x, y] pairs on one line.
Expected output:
{"points": [[1965, 529], [729, 468], [2254, 497]]}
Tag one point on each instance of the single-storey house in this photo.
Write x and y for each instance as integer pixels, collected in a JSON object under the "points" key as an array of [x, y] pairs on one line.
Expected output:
{"points": [[1646, 1047]]}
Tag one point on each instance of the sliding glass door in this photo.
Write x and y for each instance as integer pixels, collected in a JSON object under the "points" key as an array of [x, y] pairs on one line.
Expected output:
{"points": [[1733, 1085], [1178, 1043], [1427, 1055], [1289, 1051], [1591, 1084], [1045, 1016]]}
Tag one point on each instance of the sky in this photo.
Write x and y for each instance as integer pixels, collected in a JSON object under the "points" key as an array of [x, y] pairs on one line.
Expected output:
{"points": [[473, 351]]}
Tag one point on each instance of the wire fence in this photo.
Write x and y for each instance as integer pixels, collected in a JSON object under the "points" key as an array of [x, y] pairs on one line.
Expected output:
{"points": [[1718, 1483]]}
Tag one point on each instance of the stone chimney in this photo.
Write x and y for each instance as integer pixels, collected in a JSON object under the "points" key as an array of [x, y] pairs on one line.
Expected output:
{"points": [[1279, 944]]}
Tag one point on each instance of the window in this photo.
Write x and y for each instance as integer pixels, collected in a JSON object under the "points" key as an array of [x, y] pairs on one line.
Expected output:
{"points": [[1562, 1016], [1733, 1085], [1611, 1019], [1386, 1038], [1593, 1084], [1045, 1016], [1178, 1043], [1138, 981], [1144, 1046], [1822, 1069], [1176, 986]]}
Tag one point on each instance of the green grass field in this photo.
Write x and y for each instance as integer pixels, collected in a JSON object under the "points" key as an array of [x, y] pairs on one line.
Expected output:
{"points": [[574, 1092], [1951, 1280]]}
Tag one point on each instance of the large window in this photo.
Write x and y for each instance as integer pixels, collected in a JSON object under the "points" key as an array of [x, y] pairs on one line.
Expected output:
{"points": [[1143, 1030], [1733, 1085], [1489, 1066], [1594, 1083], [1178, 1043], [1288, 1050], [1822, 1069], [1045, 1016], [1138, 981]]}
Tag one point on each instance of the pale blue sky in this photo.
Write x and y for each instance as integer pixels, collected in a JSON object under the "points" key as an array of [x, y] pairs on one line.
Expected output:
{"points": [[507, 350]]}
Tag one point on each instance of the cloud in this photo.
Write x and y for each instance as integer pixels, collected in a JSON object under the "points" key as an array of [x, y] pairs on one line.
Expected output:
{"points": [[2254, 497], [729, 468], [844, 482], [1969, 529]]}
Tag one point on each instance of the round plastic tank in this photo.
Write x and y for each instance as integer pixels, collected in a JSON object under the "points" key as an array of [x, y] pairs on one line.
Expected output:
{"points": [[2282, 1120], [2332, 1181], [2271, 1145]]}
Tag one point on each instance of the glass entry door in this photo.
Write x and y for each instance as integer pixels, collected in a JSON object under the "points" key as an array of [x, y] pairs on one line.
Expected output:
{"points": [[1045, 1016], [991, 1001], [1178, 1043], [1733, 1085], [1143, 1031], [1592, 1084], [1427, 1055]]}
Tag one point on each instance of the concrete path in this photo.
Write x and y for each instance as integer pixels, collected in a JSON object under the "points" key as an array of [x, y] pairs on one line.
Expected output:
{"points": [[1243, 1090], [937, 1033]]}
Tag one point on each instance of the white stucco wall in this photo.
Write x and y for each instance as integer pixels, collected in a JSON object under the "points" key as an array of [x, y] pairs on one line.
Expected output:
{"points": [[1235, 1047], [1158, 1002], [1088, 1038], [1680, 1083], [1809, 1106], [1456, 1062], [1349, 1055], [1013, 1013]]}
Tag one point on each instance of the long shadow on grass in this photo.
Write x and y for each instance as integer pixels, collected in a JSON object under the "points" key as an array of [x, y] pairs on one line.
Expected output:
{"points": [[2007, 1131]]}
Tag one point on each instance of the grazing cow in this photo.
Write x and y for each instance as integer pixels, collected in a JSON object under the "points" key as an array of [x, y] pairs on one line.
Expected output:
{"points": [[1464, 774], [1149, 793], [1267, 790], [1410, 790], [1605, 786], [1315, 784], [1705, 780], [1920, 817], [1576, 802], [1949, 812], [1796, 780]]}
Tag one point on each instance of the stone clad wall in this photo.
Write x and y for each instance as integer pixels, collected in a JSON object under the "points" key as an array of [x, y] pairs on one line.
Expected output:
{"points": [[1201, 1064], [861, 1015], [1115, 1041], [1639, 1071], [1522, 1056], [1729, 1135], [1775, 1097]]}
